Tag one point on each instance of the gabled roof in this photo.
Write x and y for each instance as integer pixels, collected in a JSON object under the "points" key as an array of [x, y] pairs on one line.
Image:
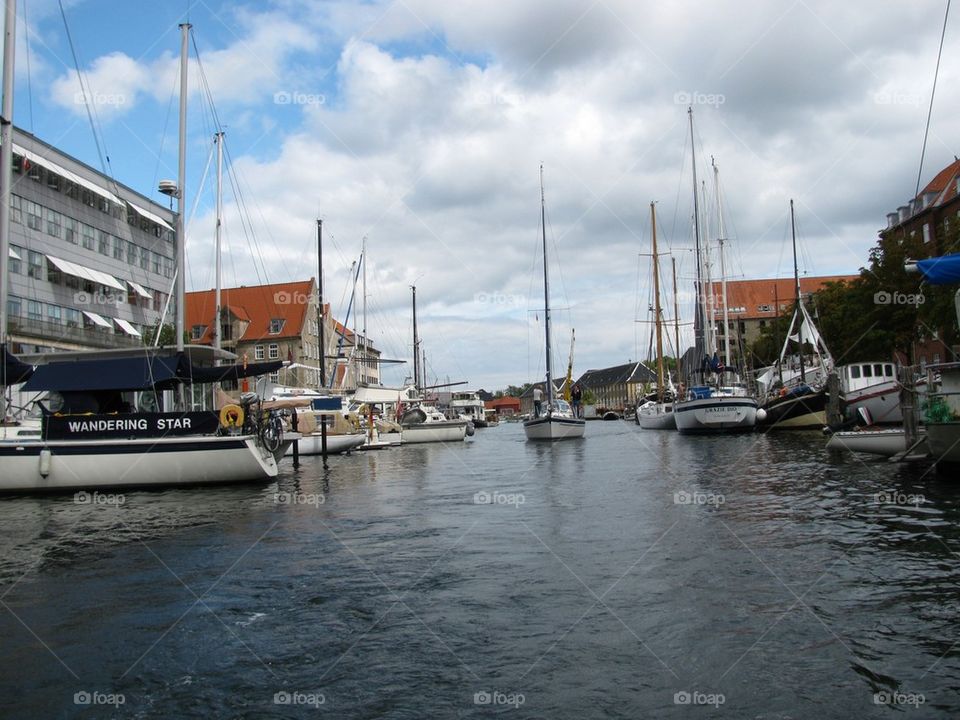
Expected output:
{"points": [[944, 183], [634, 372], [258, 305], [751, 299]]}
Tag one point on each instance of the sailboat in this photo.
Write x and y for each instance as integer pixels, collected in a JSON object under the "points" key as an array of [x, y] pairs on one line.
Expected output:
{"points": [[105, 424], [796, 397], [657, 414], [558, 421], [715, 402]]}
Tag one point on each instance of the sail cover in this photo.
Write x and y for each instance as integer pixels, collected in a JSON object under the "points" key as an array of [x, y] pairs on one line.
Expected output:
{"points": [[14, 370], [944, 270]]}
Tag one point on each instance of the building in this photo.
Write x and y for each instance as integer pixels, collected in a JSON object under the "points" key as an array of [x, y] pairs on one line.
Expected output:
{"points": [[91, 260], [279, 322], [617, 388], [753, 304], [506, 406]]}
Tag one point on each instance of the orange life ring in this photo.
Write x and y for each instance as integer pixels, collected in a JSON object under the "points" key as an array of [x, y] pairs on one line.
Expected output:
{"points": [[231, 416]]}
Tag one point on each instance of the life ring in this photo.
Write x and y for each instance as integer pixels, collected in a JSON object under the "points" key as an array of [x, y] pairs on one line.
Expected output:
{"points": [[231, 416]]}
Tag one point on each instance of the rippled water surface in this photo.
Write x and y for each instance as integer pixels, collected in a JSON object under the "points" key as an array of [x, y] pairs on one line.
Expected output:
{"points": [[633, 574]]}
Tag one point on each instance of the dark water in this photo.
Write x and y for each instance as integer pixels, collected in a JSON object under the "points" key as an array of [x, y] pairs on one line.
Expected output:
{"points": [[634, 574]]}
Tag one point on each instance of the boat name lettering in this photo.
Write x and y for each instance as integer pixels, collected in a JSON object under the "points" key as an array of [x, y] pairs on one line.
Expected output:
{"points": [[102, 425]]}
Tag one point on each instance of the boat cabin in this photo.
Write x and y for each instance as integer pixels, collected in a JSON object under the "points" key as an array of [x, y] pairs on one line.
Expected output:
{"points": [[857, 376]]}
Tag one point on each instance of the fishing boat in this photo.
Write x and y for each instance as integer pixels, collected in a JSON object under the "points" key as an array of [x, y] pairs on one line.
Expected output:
{"points": [[872, 386], [130, 417], [796, 390], [558, 421], [716, 401], [657, 413], [468, 406]]}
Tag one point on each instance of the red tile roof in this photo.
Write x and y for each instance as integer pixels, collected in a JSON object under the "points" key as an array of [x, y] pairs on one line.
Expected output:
{"points": [[257, 304], [944, 180], [746, 297]]}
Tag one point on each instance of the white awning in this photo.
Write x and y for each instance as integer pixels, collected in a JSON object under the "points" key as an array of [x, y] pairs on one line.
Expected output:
{"points": [[98, 319], [51, 165], [140, 289], [13, 253], [127, 327], [377, 395], [86, 273], [149, 215]]}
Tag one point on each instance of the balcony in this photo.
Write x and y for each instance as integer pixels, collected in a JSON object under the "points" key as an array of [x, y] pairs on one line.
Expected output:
{"points": [[58, 332]]}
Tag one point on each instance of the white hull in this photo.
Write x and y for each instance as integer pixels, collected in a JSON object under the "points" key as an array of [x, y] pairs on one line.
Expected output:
{"points": [[718, 414], [451, 431], [875, 442], [882, 401], [554, 428], [656, 416], [88, 464], [943, 439], [313, 444]]}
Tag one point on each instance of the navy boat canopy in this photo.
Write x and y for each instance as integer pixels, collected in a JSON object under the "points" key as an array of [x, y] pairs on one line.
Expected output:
{"points": [[944, 270], [14, 370]]}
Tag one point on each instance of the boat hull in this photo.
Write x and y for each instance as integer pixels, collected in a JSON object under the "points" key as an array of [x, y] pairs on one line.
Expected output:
{"points": [[801, 412], [452, 431], [718, 414], [87, 464], [882, 401], [943, 439], [658, 416], [313, 444], [886, 443], [551, 427]]}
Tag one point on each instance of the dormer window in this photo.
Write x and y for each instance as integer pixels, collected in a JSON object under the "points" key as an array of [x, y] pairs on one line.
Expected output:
{"points": [[276, 325], [197, 331]]}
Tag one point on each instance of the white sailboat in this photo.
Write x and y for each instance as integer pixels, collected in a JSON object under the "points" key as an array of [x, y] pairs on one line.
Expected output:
{"points": [[657, 414], [716, 402], [558, 421], [110, 429]]}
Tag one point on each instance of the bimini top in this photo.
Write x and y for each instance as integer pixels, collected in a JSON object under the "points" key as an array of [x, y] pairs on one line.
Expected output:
{"points": [[147, 371], [944, 270]]}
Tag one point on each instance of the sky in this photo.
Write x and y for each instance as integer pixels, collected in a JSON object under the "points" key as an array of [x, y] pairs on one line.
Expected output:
{"points": [[421, 125]]}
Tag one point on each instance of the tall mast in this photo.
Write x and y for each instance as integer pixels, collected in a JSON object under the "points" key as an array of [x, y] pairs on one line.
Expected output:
{"points": [[320, 329], [709, 294], [723, 268], [676, 316], [181, 187], [700, 316], [6, 180], [546, 291], [796, 280], [366, 345], [218, 317], [656, 302], [416, 343]]}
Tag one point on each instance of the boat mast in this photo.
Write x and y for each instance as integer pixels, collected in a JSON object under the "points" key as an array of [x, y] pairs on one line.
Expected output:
{"points": [[6, 180], [796, 279], [217, 332], [676, 316], [181, 189], [365, 357], [546, 291], [700, 317], [320, 329], [416, 343], [656, 302], [723, 268]]}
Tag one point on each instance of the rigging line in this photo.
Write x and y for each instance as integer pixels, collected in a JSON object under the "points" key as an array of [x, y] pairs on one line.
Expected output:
{"points": [[933, 93], [87, 100]]}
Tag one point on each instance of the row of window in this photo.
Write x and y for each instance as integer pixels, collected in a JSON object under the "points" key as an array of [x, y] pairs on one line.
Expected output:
{"points": [[40, 174], [86, 291], [18, 307], [73, 231]]}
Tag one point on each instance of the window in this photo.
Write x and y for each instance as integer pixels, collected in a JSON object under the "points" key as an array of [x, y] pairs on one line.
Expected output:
{"points": [[258, 352], [53, 181], [87, 197], [763, 308], [104, 205], [70, 230], [936, 358], [14, 263], [276, 325], [72, 190], [198, 331], [34, 310], [144, 258], [855, 372], [275, 378], [274, 351], [867, 371], [888, 370], [72, 317], [16, 209], [878, 370], [35, 265], [103, 242], [53, 223], [155, 262], [34, 220], [118, 248], [54, 314], [131, 253], [14, 306], [89, 238]]}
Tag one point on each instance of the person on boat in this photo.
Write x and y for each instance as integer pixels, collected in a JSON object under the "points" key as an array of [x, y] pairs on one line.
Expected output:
{"points": [[537, 401], [576, 395]]}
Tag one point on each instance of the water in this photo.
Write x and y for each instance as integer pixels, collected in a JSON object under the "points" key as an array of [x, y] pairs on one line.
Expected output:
{"points": [[633, 574]]}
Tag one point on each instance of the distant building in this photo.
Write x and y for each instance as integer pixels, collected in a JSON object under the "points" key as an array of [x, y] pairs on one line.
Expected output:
{"points": [[91, 260], [618, 387], [506, 406], [753, 304], [279, 322]]}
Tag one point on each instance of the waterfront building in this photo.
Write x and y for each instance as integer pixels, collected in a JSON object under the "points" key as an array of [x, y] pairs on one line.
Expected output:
{"points": [[506, 406], [617, 387], [91, 260], [279, 322]]}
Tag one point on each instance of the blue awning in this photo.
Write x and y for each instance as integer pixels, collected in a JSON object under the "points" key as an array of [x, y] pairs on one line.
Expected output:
{"points": [[944, 270], [14, 370], [135, 373]]}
